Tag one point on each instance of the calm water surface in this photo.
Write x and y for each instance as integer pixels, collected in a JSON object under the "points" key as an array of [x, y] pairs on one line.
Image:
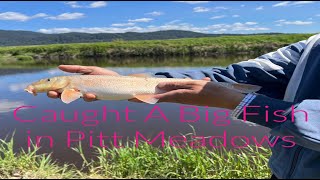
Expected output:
{"points": [[12, 96]]}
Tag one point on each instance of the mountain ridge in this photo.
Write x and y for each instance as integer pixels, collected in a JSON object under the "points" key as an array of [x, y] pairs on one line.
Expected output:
{"points": [[21, 37]]}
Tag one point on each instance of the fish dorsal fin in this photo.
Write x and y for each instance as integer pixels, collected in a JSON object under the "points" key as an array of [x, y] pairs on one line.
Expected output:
{"points": [[147, 98], [140, 75], [70, 95], [243, 88]]}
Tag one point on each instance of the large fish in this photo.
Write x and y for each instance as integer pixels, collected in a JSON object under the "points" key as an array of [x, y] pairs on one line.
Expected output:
{"points": [[114, 87]]}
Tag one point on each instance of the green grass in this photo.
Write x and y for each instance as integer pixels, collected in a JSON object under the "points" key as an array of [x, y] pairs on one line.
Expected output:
{"points": [[146, 161], [28, 164], [115, 51]]}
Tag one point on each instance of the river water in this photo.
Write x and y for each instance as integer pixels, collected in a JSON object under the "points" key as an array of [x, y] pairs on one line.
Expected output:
{"points": [[59, 127]]}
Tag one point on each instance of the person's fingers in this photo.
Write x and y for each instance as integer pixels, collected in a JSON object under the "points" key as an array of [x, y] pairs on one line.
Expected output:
{"points": [[206, 79], [102, 71], [76, 69], [168, 86], [88, 70], [175, 96], [135, 100], [89, 97], [53, 94]]}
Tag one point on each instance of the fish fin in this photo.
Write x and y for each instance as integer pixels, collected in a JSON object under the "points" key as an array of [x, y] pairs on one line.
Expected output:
{"points": [[147, 98], [140, 75], [187, 78], [70, 95], [243, 88]]}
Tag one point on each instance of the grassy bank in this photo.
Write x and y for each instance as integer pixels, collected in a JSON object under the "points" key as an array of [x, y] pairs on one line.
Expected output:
{"points": [[151, 49], [143, 162]]}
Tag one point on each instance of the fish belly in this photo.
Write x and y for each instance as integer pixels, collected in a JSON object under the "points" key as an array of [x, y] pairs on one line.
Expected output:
{"points": [[117, 88]]}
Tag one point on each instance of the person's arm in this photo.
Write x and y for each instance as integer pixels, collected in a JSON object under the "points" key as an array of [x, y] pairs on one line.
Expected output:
{"points": [[272, 71]]}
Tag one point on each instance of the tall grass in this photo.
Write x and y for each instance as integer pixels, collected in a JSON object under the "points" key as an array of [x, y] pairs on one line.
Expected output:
{"points": [[169, 162], [28, 164], [145, 161], [195, 47]]}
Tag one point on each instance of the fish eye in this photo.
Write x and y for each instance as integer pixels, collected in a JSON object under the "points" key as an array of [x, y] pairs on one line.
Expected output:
{"points": [[48, 79]]}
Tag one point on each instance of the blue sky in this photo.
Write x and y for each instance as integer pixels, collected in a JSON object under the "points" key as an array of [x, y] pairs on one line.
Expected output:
{"points": [[143, 16]]}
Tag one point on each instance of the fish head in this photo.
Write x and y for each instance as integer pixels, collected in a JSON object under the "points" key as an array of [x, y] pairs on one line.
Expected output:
{"points": [[48, 84]]}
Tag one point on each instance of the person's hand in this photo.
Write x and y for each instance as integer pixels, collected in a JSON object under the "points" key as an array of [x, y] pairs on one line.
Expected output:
{"points": [[85, 70], [199, 93], [138, 101]]}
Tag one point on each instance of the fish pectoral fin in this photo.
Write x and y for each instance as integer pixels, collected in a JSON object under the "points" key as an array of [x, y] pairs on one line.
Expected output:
{"points": [[147, 98], [140, 75], [70, 95]]}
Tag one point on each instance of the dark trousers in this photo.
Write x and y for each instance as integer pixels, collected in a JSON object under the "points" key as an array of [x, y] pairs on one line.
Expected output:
{"points": [[273, 177]]}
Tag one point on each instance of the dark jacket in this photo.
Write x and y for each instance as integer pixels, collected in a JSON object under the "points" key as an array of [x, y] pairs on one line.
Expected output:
{"points": [[289, 77]]}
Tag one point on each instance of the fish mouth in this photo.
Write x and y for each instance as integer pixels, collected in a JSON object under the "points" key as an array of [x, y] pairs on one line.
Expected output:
{"points": [[30, 89]]}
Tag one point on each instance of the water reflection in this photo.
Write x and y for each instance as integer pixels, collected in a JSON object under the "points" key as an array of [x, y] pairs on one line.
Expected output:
{"points": [[9, 106]]}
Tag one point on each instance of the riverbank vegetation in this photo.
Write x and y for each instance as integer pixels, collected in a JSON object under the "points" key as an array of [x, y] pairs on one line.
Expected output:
{"points": [[118, 51], [145, 161]]}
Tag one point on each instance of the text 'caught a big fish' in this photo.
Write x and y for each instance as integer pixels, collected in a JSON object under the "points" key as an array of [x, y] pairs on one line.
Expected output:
{"points": [[90, 117]]}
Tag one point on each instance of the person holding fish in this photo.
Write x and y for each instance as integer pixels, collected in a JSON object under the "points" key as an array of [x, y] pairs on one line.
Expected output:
{"points": [[284, 81]]}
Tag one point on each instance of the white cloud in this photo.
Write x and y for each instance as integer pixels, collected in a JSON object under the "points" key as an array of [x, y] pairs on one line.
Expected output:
{"points": [[15, 16], [40, 15], [220, 31], [302, 2], [282, 22], [285, 3], [8, 106], [141, 20], [218, 17], [155, 13], [236, 15], [218, 8], [67, 16], [18, 86], [318, 15], [123, 24], [251, 23], [73, 4], [173, 22], [200, 9], [298, 22], [193, 2], [290, 3], [221, 7], [215, 28], [97, 4], [247, 26], [259, 8]]}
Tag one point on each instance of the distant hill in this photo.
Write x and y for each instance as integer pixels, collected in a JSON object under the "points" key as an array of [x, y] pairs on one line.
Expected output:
{"points": [[17, 38]]}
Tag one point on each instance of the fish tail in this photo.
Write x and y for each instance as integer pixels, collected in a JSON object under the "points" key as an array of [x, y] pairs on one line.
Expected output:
{"points": [[243, 88]]}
